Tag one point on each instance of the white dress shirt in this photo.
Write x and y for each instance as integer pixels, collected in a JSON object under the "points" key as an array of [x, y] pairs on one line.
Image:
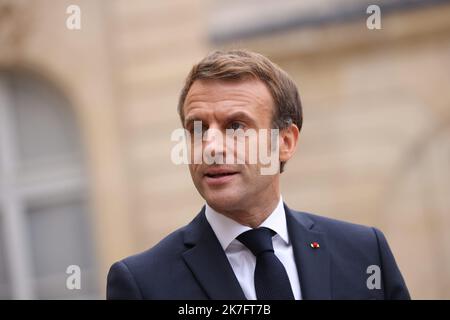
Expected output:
{"points": [[242, 259]]}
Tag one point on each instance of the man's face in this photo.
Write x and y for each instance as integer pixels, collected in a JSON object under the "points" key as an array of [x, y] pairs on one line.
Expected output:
{"points": [[220, 105]]}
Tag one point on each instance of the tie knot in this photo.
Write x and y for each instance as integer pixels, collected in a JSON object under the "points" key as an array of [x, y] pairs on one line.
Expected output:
{"points": [[257, 240]]}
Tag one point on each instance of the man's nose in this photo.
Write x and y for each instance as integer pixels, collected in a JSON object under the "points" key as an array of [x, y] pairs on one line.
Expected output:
{"points": [[214, 142]]}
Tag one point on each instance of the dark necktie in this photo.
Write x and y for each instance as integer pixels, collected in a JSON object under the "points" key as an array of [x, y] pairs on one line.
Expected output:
{"points": [[271, 279]]}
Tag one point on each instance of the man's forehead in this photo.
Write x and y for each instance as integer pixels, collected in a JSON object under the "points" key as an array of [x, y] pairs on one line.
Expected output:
{"points": [[239, 93]]}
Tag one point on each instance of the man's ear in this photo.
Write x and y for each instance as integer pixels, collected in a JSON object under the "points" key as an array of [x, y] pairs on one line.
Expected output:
{"points": [[288, 142]]}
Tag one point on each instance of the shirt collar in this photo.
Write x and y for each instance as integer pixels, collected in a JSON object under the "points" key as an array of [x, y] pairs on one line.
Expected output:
{"points": [[226, 229]]}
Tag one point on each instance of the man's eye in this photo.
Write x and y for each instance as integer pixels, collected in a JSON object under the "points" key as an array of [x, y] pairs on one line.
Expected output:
{"points": [[236, 126], [198, 129]]}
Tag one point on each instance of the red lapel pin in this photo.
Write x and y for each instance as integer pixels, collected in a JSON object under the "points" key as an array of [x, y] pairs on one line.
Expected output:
{"points": [[315, 245]]}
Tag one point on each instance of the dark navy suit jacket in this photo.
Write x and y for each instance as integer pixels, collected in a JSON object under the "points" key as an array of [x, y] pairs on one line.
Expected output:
{"points": [[191, 264]]}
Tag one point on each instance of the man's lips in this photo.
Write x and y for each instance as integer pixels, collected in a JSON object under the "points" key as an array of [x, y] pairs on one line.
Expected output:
{"points": [[217, 177], [219, 173]]}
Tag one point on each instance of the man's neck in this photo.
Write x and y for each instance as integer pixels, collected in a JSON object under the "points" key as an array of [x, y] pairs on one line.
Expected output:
{"points": [[254, 215]]}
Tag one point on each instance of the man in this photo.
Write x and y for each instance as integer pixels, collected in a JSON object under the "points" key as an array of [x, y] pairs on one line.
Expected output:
{"points": [[246, 243]]}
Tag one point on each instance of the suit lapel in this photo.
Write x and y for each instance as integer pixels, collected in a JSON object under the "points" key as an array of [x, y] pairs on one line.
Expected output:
{"points": [[313, 265], [208, 262], [211, 268]]}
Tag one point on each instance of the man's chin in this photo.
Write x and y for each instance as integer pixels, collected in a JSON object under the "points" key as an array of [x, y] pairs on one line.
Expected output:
{"points": [[223, 200]]}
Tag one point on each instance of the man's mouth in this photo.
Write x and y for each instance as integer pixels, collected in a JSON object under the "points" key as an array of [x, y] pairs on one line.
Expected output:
{"points": [[218, 175]]}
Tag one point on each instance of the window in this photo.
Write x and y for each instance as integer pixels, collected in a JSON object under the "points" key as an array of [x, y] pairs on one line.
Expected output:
{"points": [[44, 207]]}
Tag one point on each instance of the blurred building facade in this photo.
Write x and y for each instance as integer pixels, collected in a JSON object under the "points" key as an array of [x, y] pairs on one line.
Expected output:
{"points": [[86, 117]]}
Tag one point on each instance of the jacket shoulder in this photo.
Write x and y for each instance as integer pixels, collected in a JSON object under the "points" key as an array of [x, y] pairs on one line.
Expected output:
{"points": [[165, 250], [345, 237], [137, 276], [326, 224]]}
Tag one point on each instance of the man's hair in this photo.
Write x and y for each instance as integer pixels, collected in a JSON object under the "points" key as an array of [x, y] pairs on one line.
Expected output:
{"points": [[241, 64]]}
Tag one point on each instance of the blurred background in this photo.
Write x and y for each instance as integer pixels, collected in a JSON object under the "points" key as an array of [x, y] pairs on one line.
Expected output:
{"points": [[86, 117]]}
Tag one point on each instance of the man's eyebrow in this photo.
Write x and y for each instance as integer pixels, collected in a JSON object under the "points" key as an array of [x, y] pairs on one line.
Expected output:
{"points": [[240, 115], [191, 119], [233, 116]]}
